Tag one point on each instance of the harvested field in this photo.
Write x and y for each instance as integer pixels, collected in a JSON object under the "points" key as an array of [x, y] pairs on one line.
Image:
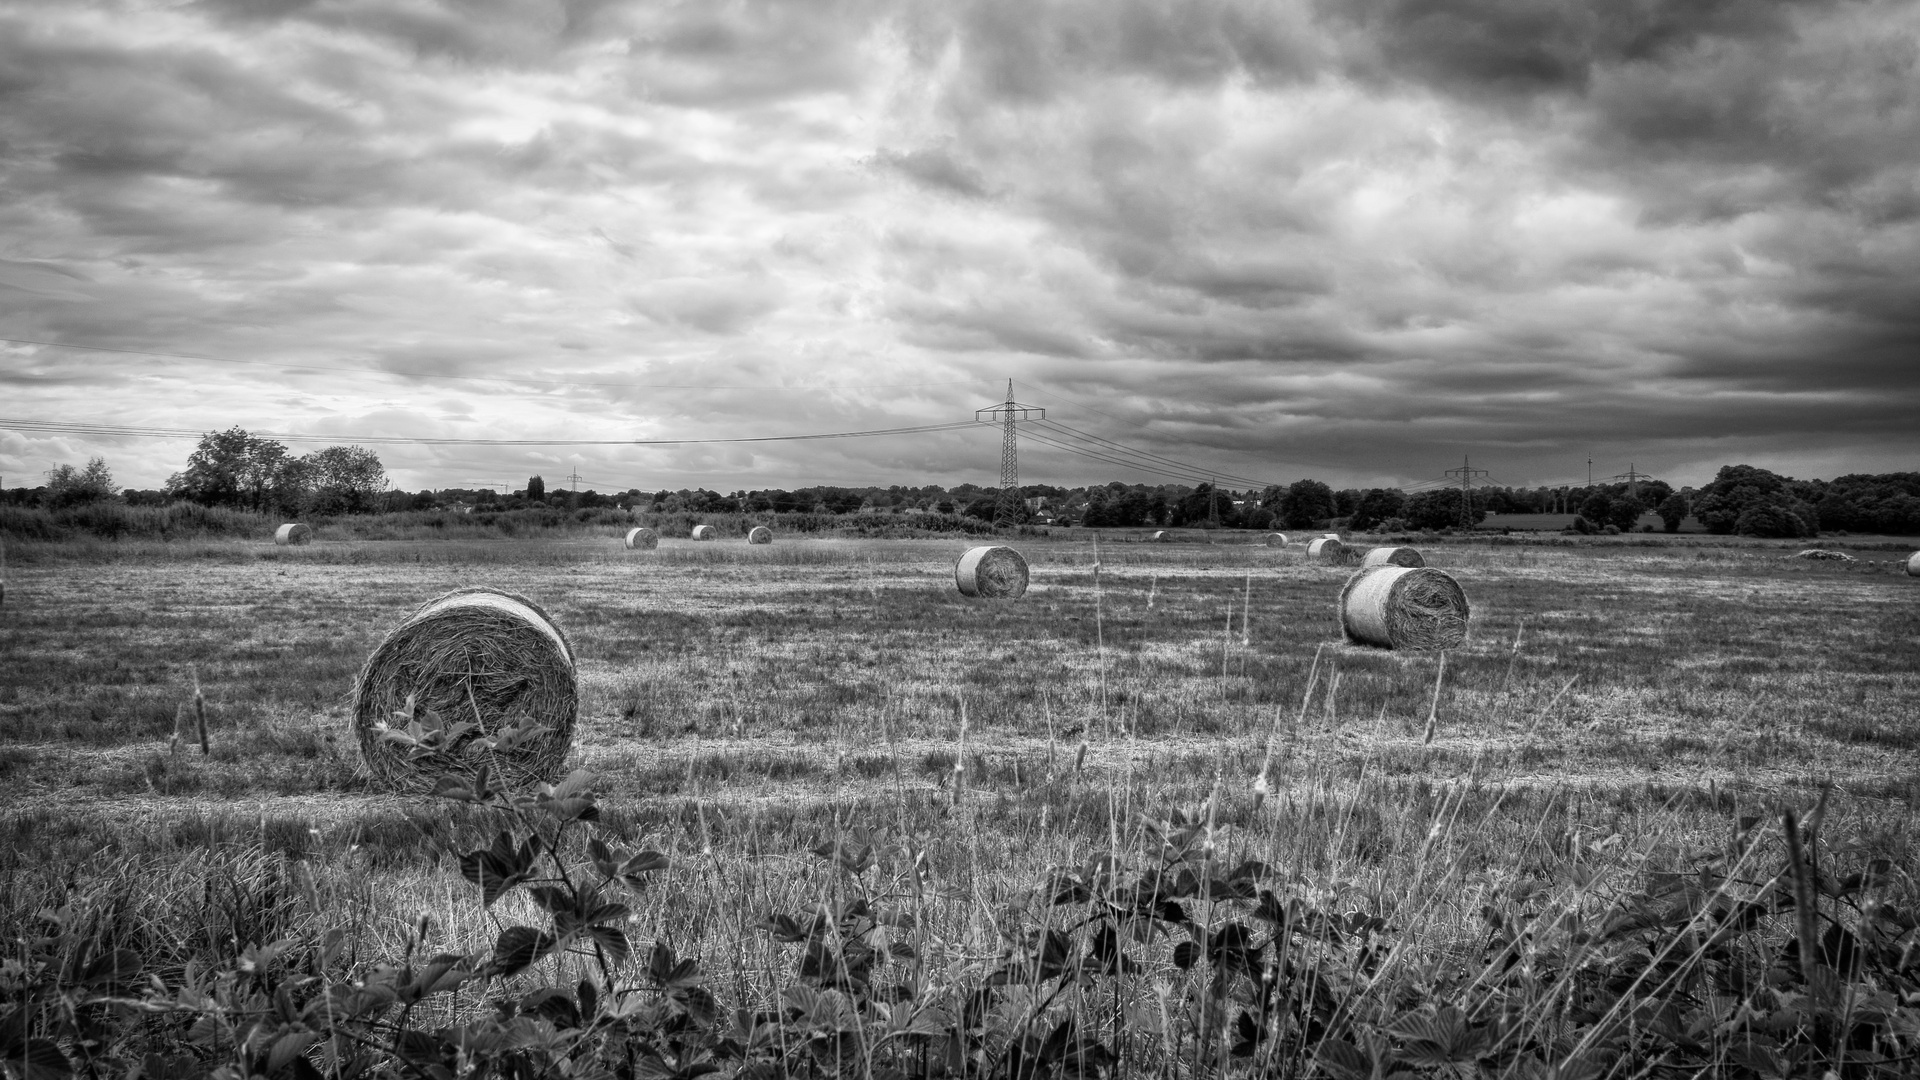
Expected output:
{"points": [[744, 703]]}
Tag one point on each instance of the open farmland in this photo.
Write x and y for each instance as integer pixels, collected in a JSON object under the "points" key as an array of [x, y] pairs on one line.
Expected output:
{"points": [[1615, 711]]}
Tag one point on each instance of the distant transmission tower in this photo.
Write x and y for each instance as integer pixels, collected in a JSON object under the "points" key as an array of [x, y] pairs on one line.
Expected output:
{"points": [[1467, 474], [1633, 477], [1007, 509]]}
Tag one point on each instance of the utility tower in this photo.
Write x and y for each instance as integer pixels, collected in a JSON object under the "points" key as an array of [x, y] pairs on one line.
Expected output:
{"points": [[1007, 509], [574, 476], [1633, 477], [1468, 475]]}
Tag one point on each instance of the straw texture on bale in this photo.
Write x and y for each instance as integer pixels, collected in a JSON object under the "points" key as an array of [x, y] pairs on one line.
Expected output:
{"points": [[705, 532], [1327, 549], [1913, 564], [1162, 536], [293, 533], [1404, 607], [1393, 556], [995, 572], [760, 534], [1276, 539], [644, 539], [473, 655]]}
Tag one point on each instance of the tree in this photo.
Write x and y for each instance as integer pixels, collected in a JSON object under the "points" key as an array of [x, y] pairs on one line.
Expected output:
{"points": [[1739, 488], [536, 489], [231, 468], [1770, 520], [1625, 512], [1376, 506], [1306, 504], [346, 479], [1597, 508], [1672, 511], [68, 486], [1440, 509]]}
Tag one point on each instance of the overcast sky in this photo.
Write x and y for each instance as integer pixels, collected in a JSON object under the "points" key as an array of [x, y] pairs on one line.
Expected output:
{"points": [[1350, 240]]}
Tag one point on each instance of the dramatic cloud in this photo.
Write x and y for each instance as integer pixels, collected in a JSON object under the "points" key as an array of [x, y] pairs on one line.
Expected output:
{"points": [[1347, 240]]}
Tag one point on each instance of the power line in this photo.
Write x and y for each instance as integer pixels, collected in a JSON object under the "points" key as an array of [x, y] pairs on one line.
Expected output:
{"points": [[59, 427], [1150, 456], [510, 379]]}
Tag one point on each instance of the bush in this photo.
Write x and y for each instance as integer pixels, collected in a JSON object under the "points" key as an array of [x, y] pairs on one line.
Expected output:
{"points": [[1771, 521], [1672, 511]]}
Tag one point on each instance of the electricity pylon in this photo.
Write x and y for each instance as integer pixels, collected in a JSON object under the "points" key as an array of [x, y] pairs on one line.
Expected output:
{"points": [[1633, 478], [1007, 509], [1467, 474]]}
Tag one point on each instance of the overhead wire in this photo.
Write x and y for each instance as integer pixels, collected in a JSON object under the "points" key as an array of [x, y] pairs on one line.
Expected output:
{"points": [[511, 379], [58, 427], [1151, 456]]}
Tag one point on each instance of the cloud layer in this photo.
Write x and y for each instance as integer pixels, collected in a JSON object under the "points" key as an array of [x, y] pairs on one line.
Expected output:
{"points": [[1346, 240]]}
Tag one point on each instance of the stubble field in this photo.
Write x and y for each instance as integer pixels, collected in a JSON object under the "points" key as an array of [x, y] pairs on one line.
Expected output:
{"points": [[1613, 711]]}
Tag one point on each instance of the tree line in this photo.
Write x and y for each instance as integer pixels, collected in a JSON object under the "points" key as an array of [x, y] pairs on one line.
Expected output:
{"points": [[239, 469]]}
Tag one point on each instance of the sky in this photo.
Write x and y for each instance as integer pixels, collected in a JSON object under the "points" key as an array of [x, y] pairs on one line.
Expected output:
{"points": [[1357, 240]]}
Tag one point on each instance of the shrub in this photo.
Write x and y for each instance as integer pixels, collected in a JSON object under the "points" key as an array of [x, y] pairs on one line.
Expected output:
{"points": [[1771, 521]]}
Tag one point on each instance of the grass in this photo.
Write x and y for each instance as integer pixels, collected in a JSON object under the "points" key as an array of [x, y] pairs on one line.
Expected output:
{"points": [[1615, 709]]}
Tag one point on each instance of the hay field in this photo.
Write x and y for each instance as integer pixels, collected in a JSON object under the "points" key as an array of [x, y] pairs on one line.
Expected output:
{"points": [[742, 703]]}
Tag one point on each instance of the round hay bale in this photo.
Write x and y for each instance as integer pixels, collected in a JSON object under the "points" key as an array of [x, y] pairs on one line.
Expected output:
{"points": [[760, 534], [1327, 549], [1276, 539], [1822, 555], [643, 539], [473, 655], [995, 572], [705, 532], [1404, 607], [1161, 536], [293, 534], [1913, 564], [1393, 556]]}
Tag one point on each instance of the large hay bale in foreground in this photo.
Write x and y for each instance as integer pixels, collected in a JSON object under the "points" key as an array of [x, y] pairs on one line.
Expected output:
{"points": [[705, 532], [1276, 539], [643, 539], [1404, 607], [995, 572], [471, 655], [1913, 564], [1393, 556], [293, 534], [1327, 549], [760, 534]]}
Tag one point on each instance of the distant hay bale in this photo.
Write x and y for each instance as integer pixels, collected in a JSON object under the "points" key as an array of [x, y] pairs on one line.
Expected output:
{"points": [[1327, 549], [1821, 554], [293, 534], [760, 534], [1162, 536], [995, 572], [1404, 607], [1913, 564], [1393, 556], [473, 655], [705, 532], [643, 539], [1276, 539]]}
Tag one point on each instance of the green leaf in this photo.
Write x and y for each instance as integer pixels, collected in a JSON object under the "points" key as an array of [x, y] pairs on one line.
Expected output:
{"points": [[40, 1059], [613, 942], [499, 867], [518, 947], [117, 968], [288, 1047]]}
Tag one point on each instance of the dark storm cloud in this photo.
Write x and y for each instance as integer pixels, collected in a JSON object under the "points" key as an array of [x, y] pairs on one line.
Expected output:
{"points": [[1357, 238]]}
